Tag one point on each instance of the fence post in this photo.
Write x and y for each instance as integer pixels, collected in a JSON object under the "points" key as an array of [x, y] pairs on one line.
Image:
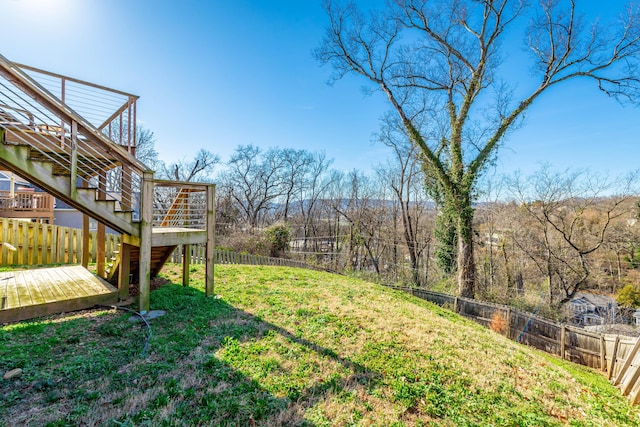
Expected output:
{"points": [[508, 319], [455, 305], [46, 251], [603, 356], [563, 337], [614, 356]]}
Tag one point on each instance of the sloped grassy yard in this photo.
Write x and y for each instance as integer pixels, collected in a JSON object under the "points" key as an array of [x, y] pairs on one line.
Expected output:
{"points": [[285, 346]]}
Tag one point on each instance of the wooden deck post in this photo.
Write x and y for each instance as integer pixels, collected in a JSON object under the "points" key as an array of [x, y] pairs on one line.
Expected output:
{"points": [[124, 270], [186, 259], [73, 173], [85, 241], [146, 225], [100, 247], [211, 238]]}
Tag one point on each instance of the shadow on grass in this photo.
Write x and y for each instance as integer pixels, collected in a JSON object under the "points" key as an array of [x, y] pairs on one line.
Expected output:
{"points": [[88, 370]]}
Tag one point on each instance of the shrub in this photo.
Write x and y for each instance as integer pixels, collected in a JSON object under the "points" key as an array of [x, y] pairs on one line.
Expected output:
{"points": [[246, 241], [498, 323], [279, 236], [629, 296]]}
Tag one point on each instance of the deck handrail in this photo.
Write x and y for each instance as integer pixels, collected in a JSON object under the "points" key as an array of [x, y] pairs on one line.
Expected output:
{"points": [[22, 80]]}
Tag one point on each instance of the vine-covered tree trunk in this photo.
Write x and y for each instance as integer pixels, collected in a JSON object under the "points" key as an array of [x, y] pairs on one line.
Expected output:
{"points": [[466, 261], [446, 235]]}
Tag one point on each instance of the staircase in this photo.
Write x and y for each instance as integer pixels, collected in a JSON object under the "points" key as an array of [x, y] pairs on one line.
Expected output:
{"points": [[47, 142], [76, 141], [159, 255]]}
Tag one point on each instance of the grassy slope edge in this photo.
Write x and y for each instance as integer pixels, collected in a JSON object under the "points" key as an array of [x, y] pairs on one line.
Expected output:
{"points": [[283, 346]]}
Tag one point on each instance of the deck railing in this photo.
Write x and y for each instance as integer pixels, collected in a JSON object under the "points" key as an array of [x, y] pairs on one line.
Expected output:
{"points": [[26, 201], [180, 204], [109, 110]]}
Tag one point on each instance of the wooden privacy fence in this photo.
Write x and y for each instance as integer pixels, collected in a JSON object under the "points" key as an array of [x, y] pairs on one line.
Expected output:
{"points": [[230, 257], [619, 356], [37, 244]]}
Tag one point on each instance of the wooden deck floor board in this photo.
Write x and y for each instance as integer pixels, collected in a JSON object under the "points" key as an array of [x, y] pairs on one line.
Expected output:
{"points": [[40, 292], [32, 284], [60, 290], [24, 296], [60, 277], [48, 289], [9, 290], [91, 284]]}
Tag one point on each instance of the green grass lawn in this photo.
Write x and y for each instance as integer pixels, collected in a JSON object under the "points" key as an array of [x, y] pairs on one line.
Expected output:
{"points": [[290, 347]]}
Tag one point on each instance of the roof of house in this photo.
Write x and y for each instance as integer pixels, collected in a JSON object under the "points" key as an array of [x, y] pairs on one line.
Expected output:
{"points": [[6, 175], [594, 299]]}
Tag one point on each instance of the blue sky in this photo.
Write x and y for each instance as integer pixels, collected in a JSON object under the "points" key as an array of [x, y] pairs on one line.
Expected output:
{"points": [[220, 73]]}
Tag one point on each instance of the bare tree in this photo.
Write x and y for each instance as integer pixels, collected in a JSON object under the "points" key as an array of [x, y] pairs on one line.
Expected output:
{"points": [[296, 165], [364, 207], [316, 183], [254, 181], [146, 148], [438, 64], [571, 214], [199, 169], [490, 239], [402, 174]]}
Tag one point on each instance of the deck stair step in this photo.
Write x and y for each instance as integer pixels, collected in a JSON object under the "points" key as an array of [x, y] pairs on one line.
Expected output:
{"points": [[159, 256]]}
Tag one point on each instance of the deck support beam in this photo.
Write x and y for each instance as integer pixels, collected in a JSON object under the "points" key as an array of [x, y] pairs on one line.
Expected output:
{"points": [[186, 261], [124, 271], [85, 241], [146, 224], [211, 239]]}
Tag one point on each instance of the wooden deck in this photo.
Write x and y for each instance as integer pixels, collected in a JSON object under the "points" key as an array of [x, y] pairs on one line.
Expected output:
{"points": [[26, 294]]}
